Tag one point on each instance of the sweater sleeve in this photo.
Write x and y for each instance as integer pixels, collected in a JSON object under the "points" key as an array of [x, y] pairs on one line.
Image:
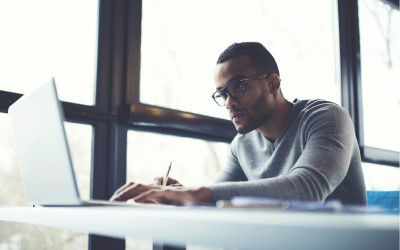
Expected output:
{"points": [[320, 168], [232, 171]]}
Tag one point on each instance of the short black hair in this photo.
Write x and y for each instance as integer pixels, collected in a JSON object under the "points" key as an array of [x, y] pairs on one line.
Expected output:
{"points": [[261, 59]]}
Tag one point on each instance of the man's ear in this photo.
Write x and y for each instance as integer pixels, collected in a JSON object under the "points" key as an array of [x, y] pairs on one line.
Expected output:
{"points": [[275, 82]]}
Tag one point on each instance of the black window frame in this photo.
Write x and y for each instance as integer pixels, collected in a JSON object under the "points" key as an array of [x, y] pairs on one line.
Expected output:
{"points": [[351, 82]]}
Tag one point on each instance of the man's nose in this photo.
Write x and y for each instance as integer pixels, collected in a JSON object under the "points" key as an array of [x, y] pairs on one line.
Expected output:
{"points": [[230, 101]]}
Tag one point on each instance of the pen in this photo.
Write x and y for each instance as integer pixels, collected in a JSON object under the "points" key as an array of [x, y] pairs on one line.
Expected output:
{"points": [[165, 180]]}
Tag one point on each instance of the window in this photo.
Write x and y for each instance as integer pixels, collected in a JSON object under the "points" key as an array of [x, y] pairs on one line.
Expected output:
{"points": [[381, 177], [49, 39], [9, 171], [195, 165], [80, 143], [380, 71], [44, 39], [181, 41]]}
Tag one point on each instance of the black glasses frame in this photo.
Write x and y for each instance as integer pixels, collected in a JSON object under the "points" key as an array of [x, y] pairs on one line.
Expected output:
{"points": [[223, 93]]}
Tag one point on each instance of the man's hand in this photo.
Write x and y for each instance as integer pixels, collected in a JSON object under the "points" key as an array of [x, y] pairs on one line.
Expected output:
{"points": [[171, 195], [170, 182]]}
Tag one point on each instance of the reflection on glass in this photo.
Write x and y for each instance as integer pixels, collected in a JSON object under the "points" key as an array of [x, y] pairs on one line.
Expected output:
{"points": [[380, 68], [45, 38], [181, 44], [24, 236]]}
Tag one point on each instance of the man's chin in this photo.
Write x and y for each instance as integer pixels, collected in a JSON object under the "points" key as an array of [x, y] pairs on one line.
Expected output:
{"points": [[242, 129]]}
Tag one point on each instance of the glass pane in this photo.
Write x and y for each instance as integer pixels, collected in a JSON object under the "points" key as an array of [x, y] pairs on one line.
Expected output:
{"points": [[381, 177], [18, 236], [10, 178], [380, 71], [181, 41], [80, 142], [46, 38], [194, 162], [37, 237]]}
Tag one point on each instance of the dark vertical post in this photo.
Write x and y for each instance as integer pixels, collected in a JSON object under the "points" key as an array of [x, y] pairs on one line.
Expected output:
{"points": [[109, 160], [350, 65]]}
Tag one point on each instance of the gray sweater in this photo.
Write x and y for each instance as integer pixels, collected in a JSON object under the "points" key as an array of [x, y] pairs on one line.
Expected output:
{"points": [[315, 158]]}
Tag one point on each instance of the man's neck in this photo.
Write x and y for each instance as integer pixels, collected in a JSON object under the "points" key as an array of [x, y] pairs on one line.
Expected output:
{"points": [[273, 127]]}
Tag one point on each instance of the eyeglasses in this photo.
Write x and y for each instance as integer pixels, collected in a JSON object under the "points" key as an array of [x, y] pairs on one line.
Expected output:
{"points": [[234, 89]]}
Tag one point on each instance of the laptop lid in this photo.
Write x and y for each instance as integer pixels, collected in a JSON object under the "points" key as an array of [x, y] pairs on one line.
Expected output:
{"points": [[37, 121]]}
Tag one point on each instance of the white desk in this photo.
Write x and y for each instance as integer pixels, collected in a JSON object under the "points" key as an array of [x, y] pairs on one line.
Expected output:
{"points": [[241, 229]]}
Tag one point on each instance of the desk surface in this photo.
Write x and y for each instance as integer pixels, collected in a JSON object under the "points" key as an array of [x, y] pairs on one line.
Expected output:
{"points": [[238, 228]]}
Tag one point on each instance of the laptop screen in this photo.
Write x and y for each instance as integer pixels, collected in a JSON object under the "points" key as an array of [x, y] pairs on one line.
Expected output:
{"points": [[37, 121]]}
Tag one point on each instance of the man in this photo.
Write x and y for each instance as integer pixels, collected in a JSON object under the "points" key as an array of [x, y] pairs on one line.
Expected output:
{"points": [[305, 150]]}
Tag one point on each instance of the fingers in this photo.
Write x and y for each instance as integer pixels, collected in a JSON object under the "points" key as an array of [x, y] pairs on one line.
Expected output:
{"points": [[173, 194], [124, 187], [130, 190], [162, 196], [158, 181], [150, 194]]}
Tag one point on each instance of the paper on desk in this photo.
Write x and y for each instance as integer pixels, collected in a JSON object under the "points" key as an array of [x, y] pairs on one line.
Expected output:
{"points": [[258, 202], [267, 203]]}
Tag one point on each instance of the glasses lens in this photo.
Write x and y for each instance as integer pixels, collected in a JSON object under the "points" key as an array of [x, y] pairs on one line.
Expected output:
{"points": [[235, 89], [219, 98]]}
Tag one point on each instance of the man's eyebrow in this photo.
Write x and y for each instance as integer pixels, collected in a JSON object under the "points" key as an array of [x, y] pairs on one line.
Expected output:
{"points": [[238, 77]]}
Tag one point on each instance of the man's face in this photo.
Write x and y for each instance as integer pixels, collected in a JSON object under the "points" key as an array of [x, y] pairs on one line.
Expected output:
{"points": [[252, 109]]}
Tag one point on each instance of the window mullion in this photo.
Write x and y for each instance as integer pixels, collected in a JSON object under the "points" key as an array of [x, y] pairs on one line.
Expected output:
{"points": [[350, 63]]}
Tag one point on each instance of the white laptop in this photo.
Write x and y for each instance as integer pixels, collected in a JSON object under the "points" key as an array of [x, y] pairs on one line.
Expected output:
{"points": [[37, 121]]}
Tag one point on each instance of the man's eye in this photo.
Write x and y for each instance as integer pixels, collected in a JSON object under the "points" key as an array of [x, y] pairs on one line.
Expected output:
{"points": [[220, 94], [235, 87]]}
